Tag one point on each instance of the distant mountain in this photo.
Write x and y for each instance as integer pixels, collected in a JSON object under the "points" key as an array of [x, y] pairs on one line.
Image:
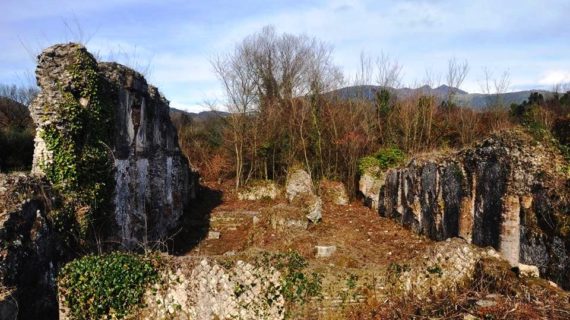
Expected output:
{"points": [[200, 116], [479, 100], [464, 98]]}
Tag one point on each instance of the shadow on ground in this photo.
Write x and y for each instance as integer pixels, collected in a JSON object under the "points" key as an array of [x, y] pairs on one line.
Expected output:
{"points": [[196, 221]]}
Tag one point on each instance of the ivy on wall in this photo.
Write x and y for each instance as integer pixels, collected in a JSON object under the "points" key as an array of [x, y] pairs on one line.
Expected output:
{"points": [[79, 139]]}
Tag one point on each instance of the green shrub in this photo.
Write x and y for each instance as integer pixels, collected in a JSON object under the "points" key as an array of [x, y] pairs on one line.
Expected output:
{"points": [[384, 159], [97, 286]]}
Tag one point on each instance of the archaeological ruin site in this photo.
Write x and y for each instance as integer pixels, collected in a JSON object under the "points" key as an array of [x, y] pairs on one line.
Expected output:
{"points": [[113, 221]]}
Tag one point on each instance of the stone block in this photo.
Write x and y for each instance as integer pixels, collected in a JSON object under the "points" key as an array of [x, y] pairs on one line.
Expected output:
{"points": [[325, 251]]}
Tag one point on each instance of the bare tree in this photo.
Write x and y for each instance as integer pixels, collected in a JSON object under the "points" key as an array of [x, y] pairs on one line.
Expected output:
{"points": [[365, 71], [389, 71], [262, 77], [495, 88], [456, 73], [20, 94], [239, 86]]}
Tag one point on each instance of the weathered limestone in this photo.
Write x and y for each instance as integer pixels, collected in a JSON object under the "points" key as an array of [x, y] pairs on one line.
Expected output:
{"points": [[208, 290], [286, 218], [298, 183], [447, 266], [259, 190], [153, 183], [325, 251], [300, 193], [506, 193], [529, 271], [370, 183]]}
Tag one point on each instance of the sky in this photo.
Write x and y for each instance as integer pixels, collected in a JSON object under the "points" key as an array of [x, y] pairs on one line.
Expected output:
{"points": [[173, 41]]}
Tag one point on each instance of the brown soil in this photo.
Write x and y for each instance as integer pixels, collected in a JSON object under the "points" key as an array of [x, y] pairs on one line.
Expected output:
{"points": [[365, 243], [363, 238]]}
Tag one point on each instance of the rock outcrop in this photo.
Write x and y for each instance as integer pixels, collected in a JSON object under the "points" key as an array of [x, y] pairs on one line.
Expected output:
{"points": [[299, 183], [109, 108], [300, 193], [370, 183], [507, 192]]}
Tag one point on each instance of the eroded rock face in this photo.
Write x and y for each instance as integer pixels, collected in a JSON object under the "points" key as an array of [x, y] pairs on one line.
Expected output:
{"points": [[299, 182], [152, 180], [369, 185], [506, 192]]}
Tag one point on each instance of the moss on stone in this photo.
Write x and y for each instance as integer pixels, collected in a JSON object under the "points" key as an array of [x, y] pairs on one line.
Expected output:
{"points": [[385, 158]]}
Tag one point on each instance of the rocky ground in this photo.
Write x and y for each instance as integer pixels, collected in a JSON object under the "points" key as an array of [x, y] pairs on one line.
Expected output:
{"points": [[371, 267]]}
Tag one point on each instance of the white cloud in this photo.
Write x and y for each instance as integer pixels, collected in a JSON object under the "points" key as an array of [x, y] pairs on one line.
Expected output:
{"points": [[526, 39], [554, 77]]}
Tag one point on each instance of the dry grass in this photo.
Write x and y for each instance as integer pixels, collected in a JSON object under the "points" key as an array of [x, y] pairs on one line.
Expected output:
{"points": [[511, 297]]}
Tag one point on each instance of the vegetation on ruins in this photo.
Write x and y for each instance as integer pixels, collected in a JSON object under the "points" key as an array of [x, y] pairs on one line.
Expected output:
{"points": [[299, 285], [96, 287], [384, 159], [289, 107], [81, 168]]}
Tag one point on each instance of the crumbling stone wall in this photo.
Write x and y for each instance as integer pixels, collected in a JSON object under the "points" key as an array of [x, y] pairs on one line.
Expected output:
{"points": [[204, 289], [28, 255], [98, 119], [507, 192]]}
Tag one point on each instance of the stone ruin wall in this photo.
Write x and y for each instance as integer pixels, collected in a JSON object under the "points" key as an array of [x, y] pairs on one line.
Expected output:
{"points": [[153, 182], [498, 194]]}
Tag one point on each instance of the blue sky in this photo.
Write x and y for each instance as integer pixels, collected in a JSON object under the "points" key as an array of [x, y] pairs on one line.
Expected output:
{"points": [[175, 40]]}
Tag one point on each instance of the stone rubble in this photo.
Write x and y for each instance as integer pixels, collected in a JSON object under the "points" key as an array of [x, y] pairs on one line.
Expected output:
{"points": [[259, 190], [325, 251]]}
